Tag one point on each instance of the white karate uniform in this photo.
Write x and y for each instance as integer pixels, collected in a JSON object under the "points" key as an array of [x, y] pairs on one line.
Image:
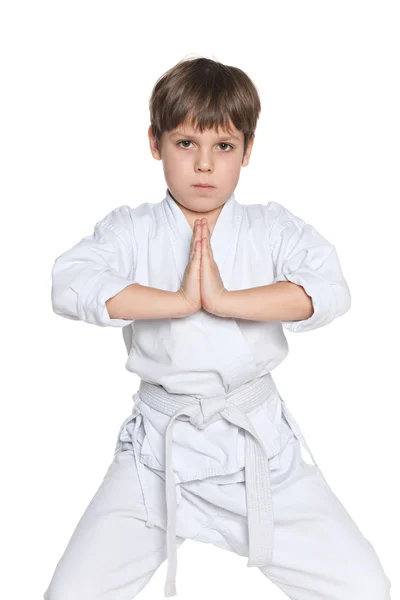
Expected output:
{"points": [[210, 451]]}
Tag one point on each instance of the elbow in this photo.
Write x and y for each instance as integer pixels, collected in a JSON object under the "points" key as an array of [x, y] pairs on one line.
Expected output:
{"points": [[63, 296], [348, 301], [343, 298], [64, 302]]}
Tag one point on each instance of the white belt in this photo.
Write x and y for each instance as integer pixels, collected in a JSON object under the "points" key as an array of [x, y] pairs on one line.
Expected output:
{"points": [[202, 412]]}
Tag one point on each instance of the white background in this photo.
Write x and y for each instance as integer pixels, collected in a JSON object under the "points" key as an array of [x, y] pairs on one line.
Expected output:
{"points": [[76, 79]]}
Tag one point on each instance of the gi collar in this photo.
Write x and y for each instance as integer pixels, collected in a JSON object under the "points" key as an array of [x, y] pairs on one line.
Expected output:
{"points": [[223, 237]]}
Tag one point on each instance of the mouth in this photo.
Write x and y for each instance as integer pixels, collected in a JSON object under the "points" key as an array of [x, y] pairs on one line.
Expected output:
{"points": [[203, 185]]}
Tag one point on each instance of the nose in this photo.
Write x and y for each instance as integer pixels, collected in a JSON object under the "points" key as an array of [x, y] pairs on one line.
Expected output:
{"points": [[203, 167], [204, 163]]}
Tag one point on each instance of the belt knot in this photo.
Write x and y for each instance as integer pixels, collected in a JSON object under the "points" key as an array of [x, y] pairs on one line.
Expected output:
{"points": [[207, 409]]}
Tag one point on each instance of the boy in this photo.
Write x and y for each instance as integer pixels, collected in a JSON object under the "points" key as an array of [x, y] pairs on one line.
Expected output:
{"points": [[201, 286]]}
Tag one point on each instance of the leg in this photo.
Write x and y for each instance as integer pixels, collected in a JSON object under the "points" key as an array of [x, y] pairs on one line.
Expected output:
{"points": [[111, 555], [320, 553]]}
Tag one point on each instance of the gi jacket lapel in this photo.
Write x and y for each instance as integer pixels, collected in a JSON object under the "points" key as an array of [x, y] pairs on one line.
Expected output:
{"points": [[224, 236]]}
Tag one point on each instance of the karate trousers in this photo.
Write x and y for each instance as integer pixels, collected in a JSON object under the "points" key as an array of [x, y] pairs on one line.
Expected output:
{"points": [[319, 551]]}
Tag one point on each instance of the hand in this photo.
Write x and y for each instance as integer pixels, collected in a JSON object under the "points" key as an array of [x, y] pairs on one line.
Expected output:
{"points": [[190, 287], [211, 285]]}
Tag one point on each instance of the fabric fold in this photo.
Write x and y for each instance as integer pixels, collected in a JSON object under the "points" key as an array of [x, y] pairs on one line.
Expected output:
{"points": [[202, 412]]}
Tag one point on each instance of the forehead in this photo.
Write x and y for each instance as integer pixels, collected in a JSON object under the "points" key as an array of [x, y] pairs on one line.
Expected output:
{"points": [[188, 130]]}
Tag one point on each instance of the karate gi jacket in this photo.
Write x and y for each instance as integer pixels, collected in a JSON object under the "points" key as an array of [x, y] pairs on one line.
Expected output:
{"points": [[201, 354]]}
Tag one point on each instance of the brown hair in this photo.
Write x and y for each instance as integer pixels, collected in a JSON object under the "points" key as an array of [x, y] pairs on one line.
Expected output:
{"points": [[206, 94]]}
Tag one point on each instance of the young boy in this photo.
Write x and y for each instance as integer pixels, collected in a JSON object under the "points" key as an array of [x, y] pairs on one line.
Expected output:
{"points": [[201, 286]]}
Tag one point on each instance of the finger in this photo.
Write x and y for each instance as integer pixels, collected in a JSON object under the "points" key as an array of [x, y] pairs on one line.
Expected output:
{"points": [[196, 254], [194, 239], [193, 236], [209, 240], [203, 229], [194, 250], [206, 234], [204, 249]]}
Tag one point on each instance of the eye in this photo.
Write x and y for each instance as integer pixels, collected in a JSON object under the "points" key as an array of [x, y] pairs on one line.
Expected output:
{"points": [[225, 144], [182, 142], [188, 141]]}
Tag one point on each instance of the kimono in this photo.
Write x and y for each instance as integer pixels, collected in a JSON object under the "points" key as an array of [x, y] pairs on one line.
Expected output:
{"points": [[207, 417]]}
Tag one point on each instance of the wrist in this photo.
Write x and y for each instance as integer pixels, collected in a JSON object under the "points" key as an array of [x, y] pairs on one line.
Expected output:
{"points": [[221, 308], [185, 307]]}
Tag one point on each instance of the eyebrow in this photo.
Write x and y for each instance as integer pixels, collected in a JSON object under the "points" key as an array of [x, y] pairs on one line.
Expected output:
{"points": [[190, 135]]}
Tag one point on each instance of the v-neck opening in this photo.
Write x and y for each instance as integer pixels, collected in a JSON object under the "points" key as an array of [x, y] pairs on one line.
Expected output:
{"points": [[182, 218], [223, 238]]}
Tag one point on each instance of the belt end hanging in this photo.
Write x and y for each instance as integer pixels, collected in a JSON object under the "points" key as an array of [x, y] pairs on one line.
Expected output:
{"points": [[170, 589], [261, 561]]}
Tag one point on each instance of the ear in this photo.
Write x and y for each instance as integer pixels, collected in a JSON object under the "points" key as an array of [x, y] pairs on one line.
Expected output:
{"points": [[153, 145], [246, 157]]}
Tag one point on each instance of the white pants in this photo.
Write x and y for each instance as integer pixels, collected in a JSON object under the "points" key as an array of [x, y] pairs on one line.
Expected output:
{"points": [[319, 552]]}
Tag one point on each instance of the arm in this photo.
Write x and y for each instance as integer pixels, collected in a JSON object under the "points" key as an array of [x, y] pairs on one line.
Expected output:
{"points": [[308, 289], [141, 302], [281, 301], [94, 281]]}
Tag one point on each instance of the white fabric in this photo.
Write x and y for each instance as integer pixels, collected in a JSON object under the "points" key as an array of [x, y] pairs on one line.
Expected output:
{"points": [[253, 245], [319, 551], [231, 407], [201, 356]]}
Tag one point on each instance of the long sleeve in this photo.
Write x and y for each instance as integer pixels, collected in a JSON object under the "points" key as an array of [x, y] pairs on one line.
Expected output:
{"points": [[94, 270], [303, 256]]}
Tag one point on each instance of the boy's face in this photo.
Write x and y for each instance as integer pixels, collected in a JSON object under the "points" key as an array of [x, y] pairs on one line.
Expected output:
{"points": [[191, 158]]}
